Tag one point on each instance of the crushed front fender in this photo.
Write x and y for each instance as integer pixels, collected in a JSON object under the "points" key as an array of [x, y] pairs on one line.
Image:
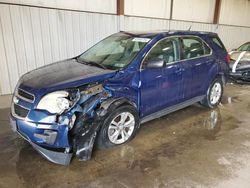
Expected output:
{"points": [[88, 120]]}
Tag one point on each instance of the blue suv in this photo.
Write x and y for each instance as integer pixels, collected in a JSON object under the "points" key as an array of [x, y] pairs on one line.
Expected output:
{"points": [[101, 97]]}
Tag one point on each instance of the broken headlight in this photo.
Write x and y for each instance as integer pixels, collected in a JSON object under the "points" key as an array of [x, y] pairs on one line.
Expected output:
{"points": [[55, 102]]}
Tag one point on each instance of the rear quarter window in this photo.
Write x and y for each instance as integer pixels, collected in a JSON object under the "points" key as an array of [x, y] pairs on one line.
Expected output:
{"points": [[218, 43]]}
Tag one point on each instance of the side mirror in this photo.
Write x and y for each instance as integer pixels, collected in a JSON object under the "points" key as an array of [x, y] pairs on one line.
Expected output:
{"points": [[154, 63]]}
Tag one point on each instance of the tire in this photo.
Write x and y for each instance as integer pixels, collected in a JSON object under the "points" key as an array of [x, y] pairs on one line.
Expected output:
{"points": [[214, 94], [112, 131]]}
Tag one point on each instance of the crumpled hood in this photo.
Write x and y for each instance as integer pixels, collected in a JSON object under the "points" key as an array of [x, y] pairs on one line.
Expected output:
{"points": [[67, 73], [236, 54]]}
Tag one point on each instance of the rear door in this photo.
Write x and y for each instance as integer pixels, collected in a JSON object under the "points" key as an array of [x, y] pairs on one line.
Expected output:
{"points": [[197, 62]]}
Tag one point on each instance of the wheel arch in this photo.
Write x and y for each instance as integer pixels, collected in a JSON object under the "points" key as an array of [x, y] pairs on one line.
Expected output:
{"points": [[107, 109], [113, 103], [223, 78], [215, 73]]}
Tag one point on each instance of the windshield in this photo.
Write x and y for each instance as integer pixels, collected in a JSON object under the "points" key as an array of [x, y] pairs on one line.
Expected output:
{"points": [[244, 47], [114, 52]]}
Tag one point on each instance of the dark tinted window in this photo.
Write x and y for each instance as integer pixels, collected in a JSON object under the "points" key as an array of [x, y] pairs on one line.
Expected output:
{"points": [[194, 47], [218, 42], [167, 49]]}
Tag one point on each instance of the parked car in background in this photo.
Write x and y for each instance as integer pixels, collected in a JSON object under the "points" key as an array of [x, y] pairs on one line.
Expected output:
{"points": [[240, 63], [101, 97]]}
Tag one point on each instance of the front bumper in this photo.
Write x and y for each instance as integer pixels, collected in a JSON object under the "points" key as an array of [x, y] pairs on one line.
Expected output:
{"points": [[42, 140]]}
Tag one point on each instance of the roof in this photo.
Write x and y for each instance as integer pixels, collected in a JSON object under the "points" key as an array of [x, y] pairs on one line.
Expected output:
{"points": [[151, 34]]}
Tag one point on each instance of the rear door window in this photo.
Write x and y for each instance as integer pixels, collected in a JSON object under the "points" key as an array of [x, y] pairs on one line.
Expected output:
{"points": [[194, 47]]}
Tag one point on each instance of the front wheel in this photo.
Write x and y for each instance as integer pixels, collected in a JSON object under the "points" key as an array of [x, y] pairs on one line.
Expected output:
{"points": [[119, 127], [214, 94]]}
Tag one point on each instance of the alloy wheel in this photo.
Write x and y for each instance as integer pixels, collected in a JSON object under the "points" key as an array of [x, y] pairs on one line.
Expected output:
{"points": [[215, 93], [121, 128]]}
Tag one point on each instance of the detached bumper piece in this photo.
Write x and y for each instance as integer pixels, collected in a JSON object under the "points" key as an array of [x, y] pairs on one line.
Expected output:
{"points": [[48, 137], [53, 156], [62, 158], [84, 153]]}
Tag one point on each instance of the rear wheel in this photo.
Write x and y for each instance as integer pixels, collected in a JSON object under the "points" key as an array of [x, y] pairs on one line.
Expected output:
{"points": [[119, 127], [214, 94]]}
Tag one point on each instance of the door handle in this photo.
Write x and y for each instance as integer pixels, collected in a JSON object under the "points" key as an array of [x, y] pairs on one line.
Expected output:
{"points": [[157, 77], [180, 70], [209, 62], [198, 64]]}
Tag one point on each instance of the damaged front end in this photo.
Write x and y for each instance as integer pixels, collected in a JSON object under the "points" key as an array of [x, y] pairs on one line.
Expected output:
{"points": [[57, 136], [89, 115], [240, 67]]}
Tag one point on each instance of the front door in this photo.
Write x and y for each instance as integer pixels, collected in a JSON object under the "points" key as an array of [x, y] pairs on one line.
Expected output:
{"points": [[161, 86]]}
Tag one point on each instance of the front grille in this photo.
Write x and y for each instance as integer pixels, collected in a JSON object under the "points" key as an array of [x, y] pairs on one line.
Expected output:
{"points": [[20, 111], [25, 95]]}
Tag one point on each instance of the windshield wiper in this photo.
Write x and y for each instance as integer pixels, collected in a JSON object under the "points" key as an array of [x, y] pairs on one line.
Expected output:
{"points": [[91, 63], [96, 64]]}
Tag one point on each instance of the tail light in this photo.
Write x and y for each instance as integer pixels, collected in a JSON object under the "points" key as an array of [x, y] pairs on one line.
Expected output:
{"points": [[228, 59]]}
